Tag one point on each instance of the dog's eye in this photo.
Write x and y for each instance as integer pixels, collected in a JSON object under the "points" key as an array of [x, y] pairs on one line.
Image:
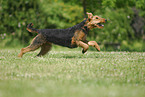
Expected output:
{"points": [[96, 17]]}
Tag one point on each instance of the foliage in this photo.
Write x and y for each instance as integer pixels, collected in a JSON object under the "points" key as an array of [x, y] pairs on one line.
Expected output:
{"points": [[124, 3], [59, 14], [72, 74], [15, 15], [117, 27]]}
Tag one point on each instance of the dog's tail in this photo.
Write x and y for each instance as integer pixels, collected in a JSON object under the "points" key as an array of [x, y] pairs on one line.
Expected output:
{"points": [[30, 29]]}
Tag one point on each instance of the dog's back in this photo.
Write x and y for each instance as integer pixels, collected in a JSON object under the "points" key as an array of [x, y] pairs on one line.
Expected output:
{"points": [[61, 37]]}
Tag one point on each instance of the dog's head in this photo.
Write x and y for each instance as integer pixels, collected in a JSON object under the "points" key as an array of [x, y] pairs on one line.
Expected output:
{"points": [[95, 21]]}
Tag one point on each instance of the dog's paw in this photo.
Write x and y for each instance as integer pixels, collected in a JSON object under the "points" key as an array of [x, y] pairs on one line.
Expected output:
{"points": [[20, 55], [84, 51]]}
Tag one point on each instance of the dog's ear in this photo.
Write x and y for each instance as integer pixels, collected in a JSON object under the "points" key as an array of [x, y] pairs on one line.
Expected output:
{"points": [[90, 15]]}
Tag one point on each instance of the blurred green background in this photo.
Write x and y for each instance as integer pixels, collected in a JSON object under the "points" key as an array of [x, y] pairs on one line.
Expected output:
{"points": [[124, 31]]}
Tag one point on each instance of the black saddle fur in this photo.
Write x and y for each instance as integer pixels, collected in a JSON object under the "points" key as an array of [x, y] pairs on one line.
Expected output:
{"points": [[61, 37]]}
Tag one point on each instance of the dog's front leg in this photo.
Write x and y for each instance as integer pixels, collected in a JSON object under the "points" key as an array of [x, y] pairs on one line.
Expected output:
{"points": [[94, 44], [83, 45]]}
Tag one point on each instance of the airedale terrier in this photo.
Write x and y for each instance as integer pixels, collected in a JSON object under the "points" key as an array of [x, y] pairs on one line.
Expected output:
{"points": [[71, 37]]}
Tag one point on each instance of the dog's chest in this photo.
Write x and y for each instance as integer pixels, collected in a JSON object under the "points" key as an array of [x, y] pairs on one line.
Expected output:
{"points": [[78, 36]]}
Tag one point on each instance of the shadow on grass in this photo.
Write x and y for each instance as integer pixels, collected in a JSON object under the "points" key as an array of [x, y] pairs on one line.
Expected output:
{"points": [[74, 56]]}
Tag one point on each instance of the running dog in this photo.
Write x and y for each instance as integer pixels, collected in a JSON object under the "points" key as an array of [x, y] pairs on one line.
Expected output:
{"points": [[71, 37]]}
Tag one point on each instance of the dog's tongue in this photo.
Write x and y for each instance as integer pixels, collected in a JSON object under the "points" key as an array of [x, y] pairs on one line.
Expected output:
{"points": [[101, 25]]}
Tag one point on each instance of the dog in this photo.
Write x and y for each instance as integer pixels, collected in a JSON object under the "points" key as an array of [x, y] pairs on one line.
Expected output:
{"points": [[71, 37]]}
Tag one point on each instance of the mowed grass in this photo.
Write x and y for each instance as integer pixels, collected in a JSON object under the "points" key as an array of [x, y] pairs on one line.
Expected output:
{"points": [[69, 73]]}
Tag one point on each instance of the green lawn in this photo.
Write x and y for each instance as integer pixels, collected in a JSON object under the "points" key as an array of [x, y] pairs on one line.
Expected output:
{"points": [[69, 73]]}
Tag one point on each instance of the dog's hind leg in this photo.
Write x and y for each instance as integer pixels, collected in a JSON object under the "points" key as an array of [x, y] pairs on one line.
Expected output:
{"points": [[45, 48], [94, 44], [36, 43]]}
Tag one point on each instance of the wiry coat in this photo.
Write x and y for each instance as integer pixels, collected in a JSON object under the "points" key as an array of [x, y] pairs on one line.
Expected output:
{"points": [[61, 37], [71, 37]]}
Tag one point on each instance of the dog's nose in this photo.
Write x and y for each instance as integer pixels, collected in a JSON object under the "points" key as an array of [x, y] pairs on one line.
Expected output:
{"points": [[105, 20]]}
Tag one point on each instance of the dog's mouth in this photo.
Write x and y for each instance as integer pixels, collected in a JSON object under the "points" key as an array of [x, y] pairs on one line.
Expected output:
{"points": [[101, 25]]}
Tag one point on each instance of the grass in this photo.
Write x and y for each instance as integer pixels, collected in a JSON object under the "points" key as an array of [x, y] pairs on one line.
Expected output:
{"points": [[68, 73]]}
